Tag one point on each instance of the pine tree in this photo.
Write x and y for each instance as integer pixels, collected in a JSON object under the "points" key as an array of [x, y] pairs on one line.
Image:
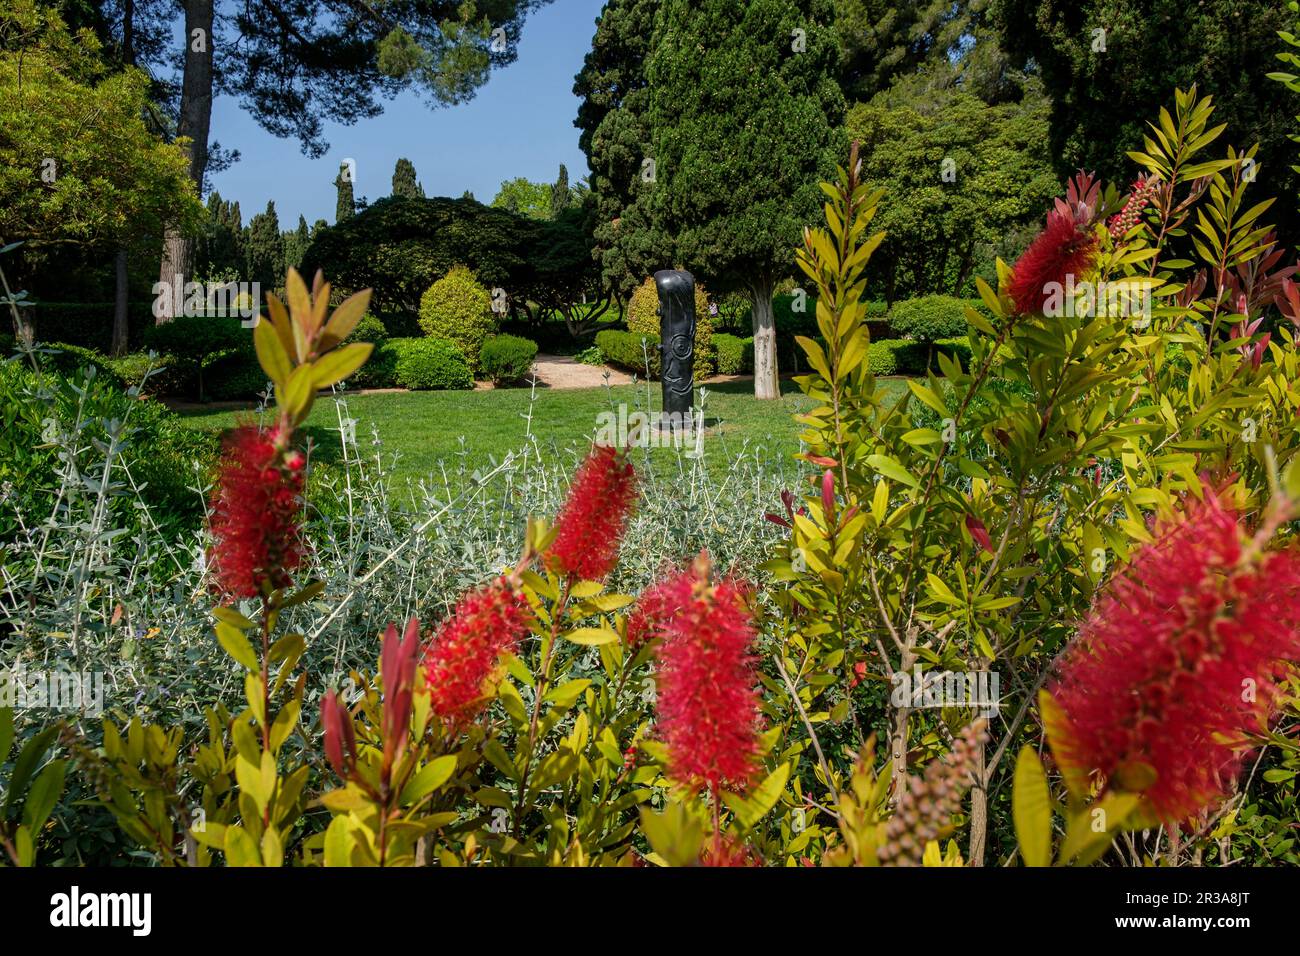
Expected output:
{"points": [[346, 205], [404, 181], [615, 136], [296, 242], [747, 118], [560, 194], [266, 249]]}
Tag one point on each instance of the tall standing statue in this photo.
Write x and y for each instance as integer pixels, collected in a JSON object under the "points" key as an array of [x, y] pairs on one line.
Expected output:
{"points": [[677, 344]]}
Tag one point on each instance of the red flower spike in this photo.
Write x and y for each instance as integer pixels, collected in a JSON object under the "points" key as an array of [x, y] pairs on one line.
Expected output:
{"points": [[1065, 248], [590, 526], [979, 533], [1179, 660], [340, 736], [256, 515], [708, 706], [397, 664], [460, 660]]}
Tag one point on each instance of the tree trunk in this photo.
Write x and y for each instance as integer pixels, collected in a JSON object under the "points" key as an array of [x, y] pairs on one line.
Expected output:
{"points": [[765, 373], [195, 119], [120, 321], [967, 259], [979, 811], [120, 327]]}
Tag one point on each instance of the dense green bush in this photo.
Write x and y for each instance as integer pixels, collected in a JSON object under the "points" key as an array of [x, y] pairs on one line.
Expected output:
{"points": [[162, 458], [68, 360], [370, 329], [236, 375], [929, 318], [625, 350], [198, 341], [735, 356], [457, 308], [507, 358], [428, 363]]}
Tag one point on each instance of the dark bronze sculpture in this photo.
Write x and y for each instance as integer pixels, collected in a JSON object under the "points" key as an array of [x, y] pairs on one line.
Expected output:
{"points": [[676, 345]]}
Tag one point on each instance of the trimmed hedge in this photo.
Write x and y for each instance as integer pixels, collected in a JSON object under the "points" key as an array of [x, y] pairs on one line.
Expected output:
{"points": [[456, 308], [735, 356], [507, 358], [428, 363], [624, 350], [929, 318], [905, 357], [89, 324]]}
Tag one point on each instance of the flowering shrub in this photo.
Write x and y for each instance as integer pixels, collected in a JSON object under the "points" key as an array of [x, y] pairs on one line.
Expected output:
{"points": [[1088, 520]]}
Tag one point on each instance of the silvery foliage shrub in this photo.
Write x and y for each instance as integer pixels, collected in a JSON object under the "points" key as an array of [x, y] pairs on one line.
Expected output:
{"points": [[80, 592]]}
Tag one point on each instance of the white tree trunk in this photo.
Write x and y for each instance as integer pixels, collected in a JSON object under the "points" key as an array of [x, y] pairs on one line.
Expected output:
{"points": [[765, 372]]}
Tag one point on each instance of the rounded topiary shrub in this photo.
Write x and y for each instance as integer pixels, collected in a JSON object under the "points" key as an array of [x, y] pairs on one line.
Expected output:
{"points": [[507, 358], [370, 329], [929, 318], [643, 318], [429, 363], [458, 309]]}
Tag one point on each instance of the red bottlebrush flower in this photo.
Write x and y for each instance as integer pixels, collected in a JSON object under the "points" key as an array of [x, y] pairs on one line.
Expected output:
{"points": [[462, 656], [1178, 660], [653, 611], [256, 512], [590, 526], [397, 664], [708, 704], [1066, 247], [340, 736]]}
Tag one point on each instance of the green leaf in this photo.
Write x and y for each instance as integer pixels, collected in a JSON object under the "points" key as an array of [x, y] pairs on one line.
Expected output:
{"points": [[760, 801], [271, 354], [338, 842], [25, 765], [6, 732], [44, 794], [337, 365], [1031, 809], [927, 395], [240, 848], [591, 636], [237, 646], [892, 469], [431, 776]]}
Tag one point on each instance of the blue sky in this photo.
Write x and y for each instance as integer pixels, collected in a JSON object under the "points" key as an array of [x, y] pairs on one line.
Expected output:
{"points": [[519, 124]]}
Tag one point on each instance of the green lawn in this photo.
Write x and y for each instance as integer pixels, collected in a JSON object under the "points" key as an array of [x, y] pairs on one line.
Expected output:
{"points": [[426, 427]]}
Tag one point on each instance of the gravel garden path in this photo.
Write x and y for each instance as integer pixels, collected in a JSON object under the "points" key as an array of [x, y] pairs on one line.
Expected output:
{"points": [[561, 371]]}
